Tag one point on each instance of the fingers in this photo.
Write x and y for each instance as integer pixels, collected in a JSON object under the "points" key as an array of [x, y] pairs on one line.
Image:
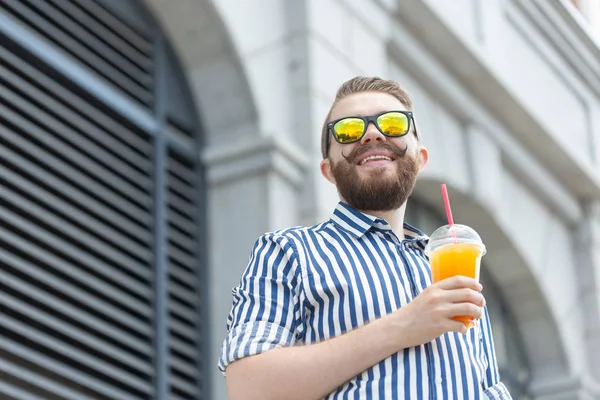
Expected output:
{"points": [[465, 296], [455, 326], [459, 282], [466, 309]]}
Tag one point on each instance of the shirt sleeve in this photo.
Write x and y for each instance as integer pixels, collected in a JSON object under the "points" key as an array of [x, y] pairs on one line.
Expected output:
{"points": [[265, 307], [494, 389]]}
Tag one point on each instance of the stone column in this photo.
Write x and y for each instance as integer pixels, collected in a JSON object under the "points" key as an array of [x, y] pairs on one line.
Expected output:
{"points": [[588, 248], [252, 188]]}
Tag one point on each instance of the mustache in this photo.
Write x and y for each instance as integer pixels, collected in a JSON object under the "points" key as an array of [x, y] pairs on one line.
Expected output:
{"points": [[399, 153]]}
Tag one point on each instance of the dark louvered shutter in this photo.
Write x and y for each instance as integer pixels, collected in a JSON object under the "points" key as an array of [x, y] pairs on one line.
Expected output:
{"points": [[80, 310], [184, 313], [93, 36]]}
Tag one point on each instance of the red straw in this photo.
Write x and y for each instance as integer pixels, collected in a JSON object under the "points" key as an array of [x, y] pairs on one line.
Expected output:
{"points": [[447, 204], [448, 210]]}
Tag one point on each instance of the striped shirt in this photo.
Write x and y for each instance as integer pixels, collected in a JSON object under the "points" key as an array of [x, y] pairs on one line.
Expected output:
{"points": [[305, 285]]}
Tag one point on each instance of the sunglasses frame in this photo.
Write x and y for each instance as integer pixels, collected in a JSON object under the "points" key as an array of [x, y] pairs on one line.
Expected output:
{"points": [[367, 120]]}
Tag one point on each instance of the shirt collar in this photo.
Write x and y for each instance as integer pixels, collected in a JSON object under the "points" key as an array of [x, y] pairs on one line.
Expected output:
{"points": [[359, 223]]}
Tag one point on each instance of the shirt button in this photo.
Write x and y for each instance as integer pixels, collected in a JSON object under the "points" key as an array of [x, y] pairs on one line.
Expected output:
{"points": [[438, 381]]}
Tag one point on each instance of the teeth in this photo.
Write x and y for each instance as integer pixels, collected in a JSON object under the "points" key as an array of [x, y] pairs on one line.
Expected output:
{"points": [[375, 158]]}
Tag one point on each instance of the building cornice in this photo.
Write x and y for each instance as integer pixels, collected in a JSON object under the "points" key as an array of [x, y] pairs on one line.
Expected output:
{"points": [[232, 161], [566, 32], [465, 69]]}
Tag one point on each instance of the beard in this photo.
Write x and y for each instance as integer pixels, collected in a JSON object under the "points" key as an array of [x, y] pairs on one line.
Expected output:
{"points": [[378, 191]]}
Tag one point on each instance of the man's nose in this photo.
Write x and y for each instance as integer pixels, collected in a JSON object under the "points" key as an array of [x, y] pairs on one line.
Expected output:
{"points": [[372, 135]]}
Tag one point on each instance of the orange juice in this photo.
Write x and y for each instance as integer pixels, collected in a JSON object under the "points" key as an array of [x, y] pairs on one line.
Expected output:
{"points": [[456, 259]]}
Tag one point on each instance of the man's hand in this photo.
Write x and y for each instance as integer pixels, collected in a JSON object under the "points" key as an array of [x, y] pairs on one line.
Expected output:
{"points": [[430, 314]]}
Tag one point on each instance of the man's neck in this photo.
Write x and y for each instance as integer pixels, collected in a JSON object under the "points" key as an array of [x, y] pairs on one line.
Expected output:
{"points": [[393, 217]]}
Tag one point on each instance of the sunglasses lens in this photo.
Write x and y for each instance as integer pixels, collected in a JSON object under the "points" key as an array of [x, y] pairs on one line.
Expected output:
{"points": [[393, 123], [349, 129]]}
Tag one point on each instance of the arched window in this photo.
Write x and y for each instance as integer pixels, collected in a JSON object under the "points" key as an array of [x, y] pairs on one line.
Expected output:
{"points": [[101, 207]]}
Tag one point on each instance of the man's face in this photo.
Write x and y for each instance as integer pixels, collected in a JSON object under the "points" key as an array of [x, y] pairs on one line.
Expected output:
{"points": [[373, 183]]}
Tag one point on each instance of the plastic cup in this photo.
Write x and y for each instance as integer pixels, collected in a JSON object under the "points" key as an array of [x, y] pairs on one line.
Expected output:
{"points": [[455, 250]]}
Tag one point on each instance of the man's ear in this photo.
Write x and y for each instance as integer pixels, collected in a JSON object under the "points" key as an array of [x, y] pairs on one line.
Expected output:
{"points": [[326, 170], [423, 157]]}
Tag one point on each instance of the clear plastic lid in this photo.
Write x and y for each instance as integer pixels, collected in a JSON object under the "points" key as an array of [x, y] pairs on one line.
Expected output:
{"points": [[456, 233]]}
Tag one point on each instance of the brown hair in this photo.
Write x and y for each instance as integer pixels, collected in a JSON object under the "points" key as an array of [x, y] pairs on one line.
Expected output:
{"points": [[365, 84]]}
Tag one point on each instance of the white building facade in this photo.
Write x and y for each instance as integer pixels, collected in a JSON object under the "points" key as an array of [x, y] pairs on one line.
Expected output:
{"points": [[507, 96]]}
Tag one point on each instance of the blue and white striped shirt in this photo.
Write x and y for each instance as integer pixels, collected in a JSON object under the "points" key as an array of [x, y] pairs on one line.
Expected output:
{"points": [[305, 285]]}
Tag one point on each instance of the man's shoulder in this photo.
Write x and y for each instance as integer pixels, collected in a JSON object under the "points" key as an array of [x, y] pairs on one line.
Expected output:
{"points": [[297, 232], [295, 235]]}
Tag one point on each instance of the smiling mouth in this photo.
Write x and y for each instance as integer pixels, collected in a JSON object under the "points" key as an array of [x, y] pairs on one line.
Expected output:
{"points": [[376, 154], [372, 158]]}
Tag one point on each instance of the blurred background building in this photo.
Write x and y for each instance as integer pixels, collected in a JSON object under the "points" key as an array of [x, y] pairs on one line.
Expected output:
{"points": [[146, 144]]}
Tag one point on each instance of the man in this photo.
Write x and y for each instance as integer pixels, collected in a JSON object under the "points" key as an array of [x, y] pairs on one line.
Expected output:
{"points": [[346, 309]]}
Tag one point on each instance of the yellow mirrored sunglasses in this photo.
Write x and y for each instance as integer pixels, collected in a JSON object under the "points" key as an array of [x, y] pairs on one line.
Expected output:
{"points": [[351, 129]]}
